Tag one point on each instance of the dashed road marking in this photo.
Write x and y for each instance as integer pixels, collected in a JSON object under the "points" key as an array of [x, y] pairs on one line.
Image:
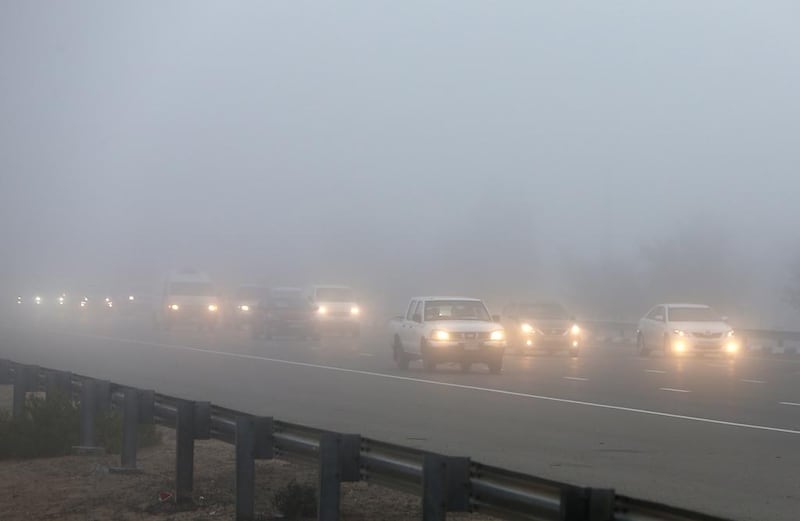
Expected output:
{"points": [[450, 385], [657, 371], [748, 381], [790, 403], [672, 390], [576, 378]]}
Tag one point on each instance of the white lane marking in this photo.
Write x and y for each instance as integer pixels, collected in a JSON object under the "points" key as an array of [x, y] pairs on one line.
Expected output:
{"points": [[672, 390], [576, 378], [456, 386], [747, 381], [790, 403], [658, 371], [366, 354]]}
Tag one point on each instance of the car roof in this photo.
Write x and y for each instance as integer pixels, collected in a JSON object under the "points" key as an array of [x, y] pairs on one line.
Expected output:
{"points": [[471, 299]]}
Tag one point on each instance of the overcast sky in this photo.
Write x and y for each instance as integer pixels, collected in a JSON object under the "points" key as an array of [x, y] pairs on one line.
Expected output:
{"points": [[392, 143]]}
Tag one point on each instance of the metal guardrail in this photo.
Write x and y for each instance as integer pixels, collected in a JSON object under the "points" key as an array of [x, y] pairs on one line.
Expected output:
{"points": [[445, 483]]}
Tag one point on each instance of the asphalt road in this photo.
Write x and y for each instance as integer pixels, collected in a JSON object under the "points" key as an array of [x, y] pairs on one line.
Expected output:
{"points": [[704, 433]]}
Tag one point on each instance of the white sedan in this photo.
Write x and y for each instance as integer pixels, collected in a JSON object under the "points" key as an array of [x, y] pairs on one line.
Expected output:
{"points": [[678, 329]]}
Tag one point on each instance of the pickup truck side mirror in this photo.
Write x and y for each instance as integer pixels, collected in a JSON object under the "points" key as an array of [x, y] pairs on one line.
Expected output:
{"points": [[495, 318], [417, 317]]}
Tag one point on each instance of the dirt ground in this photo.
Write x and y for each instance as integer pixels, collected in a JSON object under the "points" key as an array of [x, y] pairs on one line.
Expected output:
{"points": [[74, 488]]}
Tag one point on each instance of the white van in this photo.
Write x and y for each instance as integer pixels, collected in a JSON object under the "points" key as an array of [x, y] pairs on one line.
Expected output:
{"points": [[336, 309], [188, 297]]}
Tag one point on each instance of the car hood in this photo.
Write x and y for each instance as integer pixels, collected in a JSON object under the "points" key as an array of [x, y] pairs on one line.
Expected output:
{"points": [[463, 326], [701, 327]]}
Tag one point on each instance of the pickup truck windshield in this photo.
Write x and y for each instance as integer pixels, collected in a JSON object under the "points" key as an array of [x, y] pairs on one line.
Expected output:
{"points": [[335, 295], [191, 289], [456, 310]]}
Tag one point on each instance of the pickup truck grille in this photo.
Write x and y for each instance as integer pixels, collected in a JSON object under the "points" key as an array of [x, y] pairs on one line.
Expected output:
{"points": [[554, 332], [470, 336]]}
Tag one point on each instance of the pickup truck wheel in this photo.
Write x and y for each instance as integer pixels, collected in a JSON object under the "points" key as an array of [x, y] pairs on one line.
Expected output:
{"points": [[427, 363], [400, 357]]}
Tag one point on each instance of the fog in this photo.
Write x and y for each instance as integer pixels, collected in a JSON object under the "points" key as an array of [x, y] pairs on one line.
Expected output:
{"points": [[608, 155]]}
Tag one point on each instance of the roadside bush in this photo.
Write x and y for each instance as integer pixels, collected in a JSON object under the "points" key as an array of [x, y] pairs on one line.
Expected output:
{"points": [[47, 428], [51, 428], [296, 501]]}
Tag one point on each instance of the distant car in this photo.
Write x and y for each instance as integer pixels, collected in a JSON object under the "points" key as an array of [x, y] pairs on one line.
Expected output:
{"points": [[285, 312], [543, 326], [680, 329], [243, 305], [188, 298], [337, 310], [439, 330]]}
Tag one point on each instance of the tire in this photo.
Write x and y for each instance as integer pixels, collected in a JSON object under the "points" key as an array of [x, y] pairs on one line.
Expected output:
{"points": [[495, 365], [400, 357], [641, 348]]}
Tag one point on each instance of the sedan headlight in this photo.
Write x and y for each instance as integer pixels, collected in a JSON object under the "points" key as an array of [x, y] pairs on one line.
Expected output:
{"points": [[497, 335], [244, 307], [355, 311], [526, 328], [438, 334], [212, 307], [575, 330], [174, 307], [322, 310]]}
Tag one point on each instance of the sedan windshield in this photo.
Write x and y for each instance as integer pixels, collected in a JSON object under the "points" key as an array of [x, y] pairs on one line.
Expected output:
{"points": [[456, 310], [543, 311], [693, 314]]}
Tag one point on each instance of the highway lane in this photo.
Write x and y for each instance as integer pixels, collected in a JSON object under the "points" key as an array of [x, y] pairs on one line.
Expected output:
{"points": [[510, 419]]}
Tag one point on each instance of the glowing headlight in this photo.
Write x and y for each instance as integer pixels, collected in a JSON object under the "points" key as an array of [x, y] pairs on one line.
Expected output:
{"points": [[38, 300], [575, 330], [83, 303], [679, 347], [322, 310], [60, 300], [729, 334], [731, 348], [527, 328], [440, 335], [497, 335], [130, 297], [110, 304], [212, 307], [244, 307], [19, 300], [680, 333], [355, 311], [174, 307]]}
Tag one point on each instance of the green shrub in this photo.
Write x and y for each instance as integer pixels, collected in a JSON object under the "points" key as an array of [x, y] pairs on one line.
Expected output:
{"points": [[51, 427], [296, 500], [46, 428]]}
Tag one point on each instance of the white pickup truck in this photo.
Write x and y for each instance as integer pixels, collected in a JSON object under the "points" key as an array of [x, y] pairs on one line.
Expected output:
{"points": [[439, 330]]}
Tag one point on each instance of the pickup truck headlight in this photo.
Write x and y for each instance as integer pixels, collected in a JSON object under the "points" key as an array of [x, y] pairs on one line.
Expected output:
{"points": [[575, 329], [212, 307], [355, 311], [174, 307], [497, 335], [440, 335], [322, 310], [526, 328]]}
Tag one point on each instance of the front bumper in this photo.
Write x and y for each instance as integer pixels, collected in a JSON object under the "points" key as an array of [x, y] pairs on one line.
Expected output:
{"points": [[686, 345], [457, 351], [551, 342]]}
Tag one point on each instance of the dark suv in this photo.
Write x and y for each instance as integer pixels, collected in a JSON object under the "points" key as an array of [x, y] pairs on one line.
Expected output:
{"points": [[285, 312]]}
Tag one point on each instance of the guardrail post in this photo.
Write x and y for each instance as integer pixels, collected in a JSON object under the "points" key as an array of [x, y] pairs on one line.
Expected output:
{"points": [[184, 451], [445, 486], [88, 407], [5, 373], [245, 468], [329, 477], [586, 504], [26, 379], [58, 383], [130, 426]]}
